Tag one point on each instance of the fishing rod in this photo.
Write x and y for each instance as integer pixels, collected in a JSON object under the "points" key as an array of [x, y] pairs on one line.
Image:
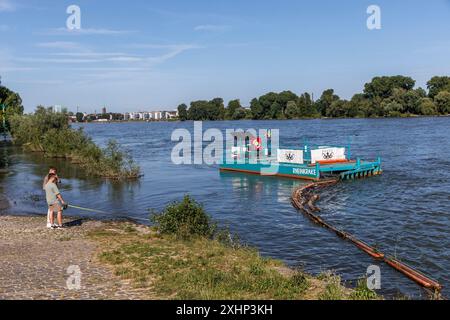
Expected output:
{"points": [[120, 216], [84, 209]]}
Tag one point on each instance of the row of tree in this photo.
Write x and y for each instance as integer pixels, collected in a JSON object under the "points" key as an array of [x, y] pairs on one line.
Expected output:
{"points": [[212, 110], [393, 96], [382, 97]]}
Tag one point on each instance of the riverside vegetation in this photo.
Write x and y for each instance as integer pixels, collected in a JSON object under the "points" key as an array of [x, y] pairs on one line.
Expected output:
{"points": [[185, 256], [50, 133], [394, 96]]}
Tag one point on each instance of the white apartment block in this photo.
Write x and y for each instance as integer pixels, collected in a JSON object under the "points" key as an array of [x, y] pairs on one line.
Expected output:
{"points": [[150, 115]]}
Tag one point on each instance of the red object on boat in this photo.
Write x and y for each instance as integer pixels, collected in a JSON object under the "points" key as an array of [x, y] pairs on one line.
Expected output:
{"points": [[257, 143]]}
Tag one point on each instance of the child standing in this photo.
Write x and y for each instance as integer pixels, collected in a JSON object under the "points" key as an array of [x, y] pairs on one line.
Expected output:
{"points": [[54, 171], [54, 200]]}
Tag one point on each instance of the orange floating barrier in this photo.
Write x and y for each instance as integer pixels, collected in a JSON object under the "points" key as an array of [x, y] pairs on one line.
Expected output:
{"points": [[304, 200], [414, 275]]}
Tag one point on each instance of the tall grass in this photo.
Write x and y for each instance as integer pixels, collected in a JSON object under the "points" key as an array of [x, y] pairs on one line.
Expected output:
{"points": [[50, 133]]}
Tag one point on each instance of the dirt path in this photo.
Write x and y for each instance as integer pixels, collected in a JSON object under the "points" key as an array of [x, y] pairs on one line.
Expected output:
{"points": [[34, 263]]}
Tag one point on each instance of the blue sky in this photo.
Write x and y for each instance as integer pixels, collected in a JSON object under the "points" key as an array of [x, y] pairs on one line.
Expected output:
{"points": [[148, 55]]}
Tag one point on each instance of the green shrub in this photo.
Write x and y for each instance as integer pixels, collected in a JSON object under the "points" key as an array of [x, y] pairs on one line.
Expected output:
{"points": [[333, 289], [362, 292], [184, 219], [225, 237], [50, 133], [300, 280], [114, 161]]}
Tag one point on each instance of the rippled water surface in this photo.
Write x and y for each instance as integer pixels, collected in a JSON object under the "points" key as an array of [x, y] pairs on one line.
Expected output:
{"points": [[405, 212]]}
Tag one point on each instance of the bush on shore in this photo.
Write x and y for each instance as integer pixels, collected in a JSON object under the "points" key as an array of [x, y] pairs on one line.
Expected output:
{"points": [[184, 219], [50, 133]]}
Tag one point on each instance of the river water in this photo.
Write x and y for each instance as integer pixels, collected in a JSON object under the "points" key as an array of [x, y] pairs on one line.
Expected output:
{"points": [[405, 212]]}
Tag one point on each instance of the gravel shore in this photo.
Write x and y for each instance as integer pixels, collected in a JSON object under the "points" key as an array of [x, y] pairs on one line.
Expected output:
{"points": [[34, 262]]}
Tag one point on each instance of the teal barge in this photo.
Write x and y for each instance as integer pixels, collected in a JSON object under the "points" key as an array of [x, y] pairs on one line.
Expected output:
{"points": [[309, 163]]}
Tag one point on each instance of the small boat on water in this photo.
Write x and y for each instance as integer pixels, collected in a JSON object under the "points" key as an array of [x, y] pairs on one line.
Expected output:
{"points": [[311, 162]]}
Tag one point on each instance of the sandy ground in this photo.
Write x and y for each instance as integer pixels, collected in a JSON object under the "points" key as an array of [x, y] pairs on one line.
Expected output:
{"points": [[34, 263]]}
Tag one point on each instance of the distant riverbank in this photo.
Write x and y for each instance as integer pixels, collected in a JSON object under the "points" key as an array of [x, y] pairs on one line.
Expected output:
{"points": [[410, 116]]}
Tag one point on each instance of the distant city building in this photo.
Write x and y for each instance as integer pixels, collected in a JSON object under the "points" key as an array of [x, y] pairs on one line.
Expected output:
{"points": [[57, 108], [171, 114], [149, 115], [157, 115], [104, 110]]}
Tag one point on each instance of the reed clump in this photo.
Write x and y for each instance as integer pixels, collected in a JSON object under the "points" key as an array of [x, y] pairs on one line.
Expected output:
{"points": [[51, 134]]}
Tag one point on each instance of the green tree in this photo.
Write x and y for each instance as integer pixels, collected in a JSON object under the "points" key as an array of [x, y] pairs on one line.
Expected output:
{"points": [[216, 109], [256, 109], [427, 107], [442, 101], [359, 106], [411, 100], [285, 97], [232, 107], [383, 86], [392, 108], [183, 112], [438, 84], [239, 114], [276, 111], [267, 102], [291, 110], [80, 117], [306, 107], [12, 105], [325, 101], [199, 110], [338, 109]]}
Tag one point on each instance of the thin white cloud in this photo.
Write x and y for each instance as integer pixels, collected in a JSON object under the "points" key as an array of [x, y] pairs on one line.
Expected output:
{"points": [[125, 59], [175, 51], [17, 69], [84, 31], [63, 45], [53, 61], [4, 28], [89, 57], [87, 54], [7, 5], [212, 28], [39, 82]]}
